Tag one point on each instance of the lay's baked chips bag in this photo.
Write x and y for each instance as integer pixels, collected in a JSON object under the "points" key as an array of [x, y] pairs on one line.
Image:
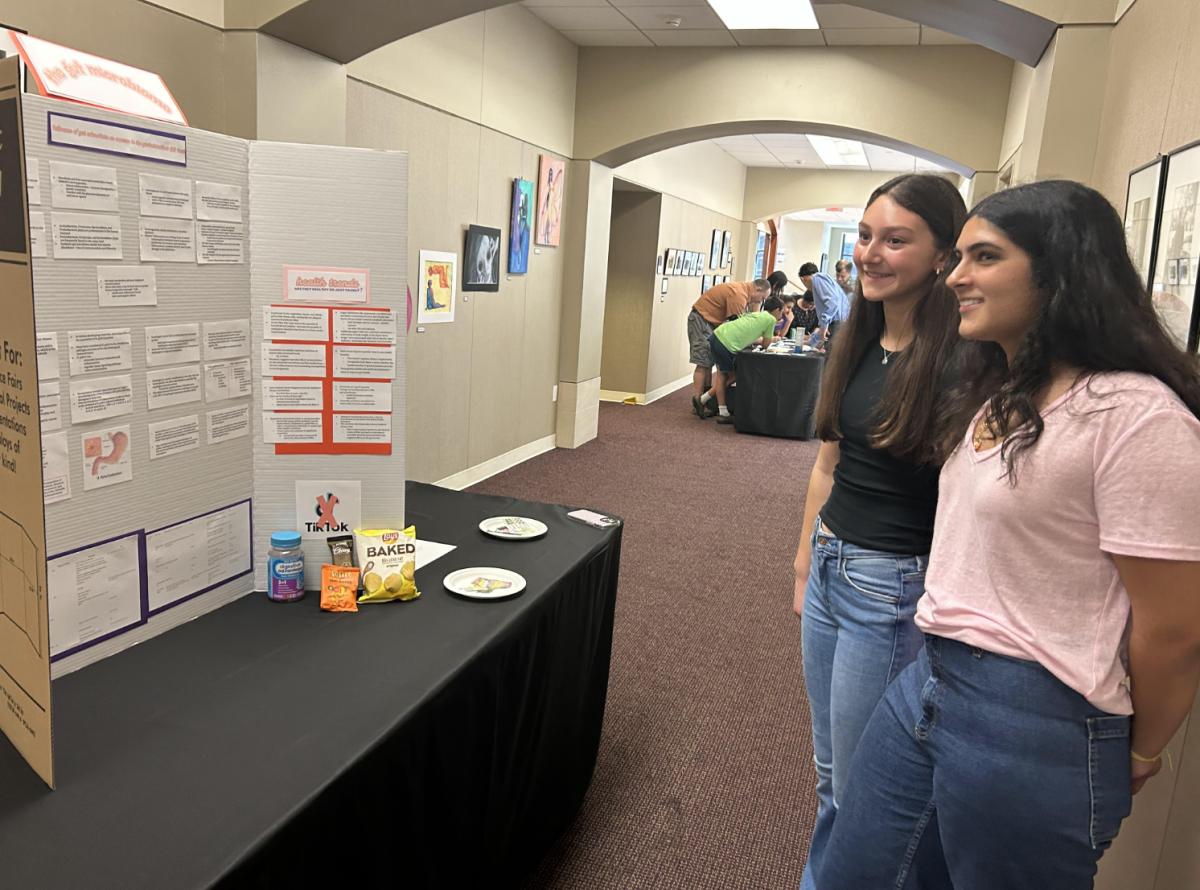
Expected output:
{"points": [[388, 560]]}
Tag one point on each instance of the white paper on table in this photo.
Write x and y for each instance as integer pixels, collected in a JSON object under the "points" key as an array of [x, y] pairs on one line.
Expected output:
{"points": [[47, 356], [174, 436], [107, 458], [83, 187], [293, 395], [164, 196], [85, 236], [172, 386], [216, 201], [428, 551], [56, 469], [172, 344], [361, 395], [90, 352], [364, 361], [196, 555], [226, 339], [49, 405], [33, 179], [282, 428], [364, 326], [126, 286], [98, 399], [361, 428], [94, 592], [228, 423], [37, 234], [220, 242], [167, 240], [295, 323], [227, 380], [292, 360]]}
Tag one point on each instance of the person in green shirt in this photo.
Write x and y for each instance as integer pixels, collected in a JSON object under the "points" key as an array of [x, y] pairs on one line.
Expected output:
{"points": [[727, 341]]}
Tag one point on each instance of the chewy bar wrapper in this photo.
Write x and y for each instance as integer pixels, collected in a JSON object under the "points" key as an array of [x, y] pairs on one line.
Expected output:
{"points": [[387, 559]]}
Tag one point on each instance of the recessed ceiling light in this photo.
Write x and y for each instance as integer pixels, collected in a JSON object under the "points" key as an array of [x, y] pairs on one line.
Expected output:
{"points": [[756, 15], [839, 152]]}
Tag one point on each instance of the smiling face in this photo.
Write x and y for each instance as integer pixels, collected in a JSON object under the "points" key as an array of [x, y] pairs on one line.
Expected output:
{"points": [[896, 254], [997, 296]]}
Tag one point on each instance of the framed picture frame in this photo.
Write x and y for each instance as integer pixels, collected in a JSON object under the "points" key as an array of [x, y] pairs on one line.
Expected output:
{"points": [[678, 267], [435, 302], [520, 226], [725, 280], [669, 267], [1143, 208], [1176, 245], [705, 283], [481, 260], [691, 264], [726, 249], [714, 253], [551, 186], [699, 270]]}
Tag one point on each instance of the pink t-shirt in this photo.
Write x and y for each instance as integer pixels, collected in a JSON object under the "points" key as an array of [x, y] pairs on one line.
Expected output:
{"points": [[1026, 571]]}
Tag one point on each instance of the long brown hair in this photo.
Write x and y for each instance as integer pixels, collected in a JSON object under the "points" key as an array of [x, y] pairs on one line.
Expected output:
{"points": [[940, 380]]}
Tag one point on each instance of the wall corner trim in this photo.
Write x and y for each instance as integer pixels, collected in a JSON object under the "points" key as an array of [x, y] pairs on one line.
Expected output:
{"points": [[476, 474]]}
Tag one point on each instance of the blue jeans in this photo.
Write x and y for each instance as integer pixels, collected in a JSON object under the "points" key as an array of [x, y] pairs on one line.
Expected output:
{"points": [[858, 635], [1030, 782]]}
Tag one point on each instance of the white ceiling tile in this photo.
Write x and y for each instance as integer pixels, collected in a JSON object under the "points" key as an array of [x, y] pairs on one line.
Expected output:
{"points": [[632, 37], [934, 37], [650, 18], [532, 3], [924, 166], [683, 37], [872, 36], [779, 38], [582, 18], [842, 15]]}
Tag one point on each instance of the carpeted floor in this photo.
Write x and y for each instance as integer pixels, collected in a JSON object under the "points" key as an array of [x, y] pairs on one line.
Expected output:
{"points": [[705, 777]]}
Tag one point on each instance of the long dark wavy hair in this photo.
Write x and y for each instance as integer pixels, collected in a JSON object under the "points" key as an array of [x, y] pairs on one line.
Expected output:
{"points": [[939, 381], [1094, 312]]}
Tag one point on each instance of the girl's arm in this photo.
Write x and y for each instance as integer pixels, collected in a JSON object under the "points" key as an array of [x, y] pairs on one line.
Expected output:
{"points": [[820, 483], [1164, 652]]}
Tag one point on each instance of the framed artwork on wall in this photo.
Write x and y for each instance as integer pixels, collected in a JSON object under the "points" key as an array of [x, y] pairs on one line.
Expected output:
{"points": [[436, 302], [551, 183], [677, 269], [726, 249], [669, 269], [725, 280], [698, 260], [1176, 246], [689, 268], [706, 283], [1143, 204], [521, 227], [714, 253], [481, 259]]}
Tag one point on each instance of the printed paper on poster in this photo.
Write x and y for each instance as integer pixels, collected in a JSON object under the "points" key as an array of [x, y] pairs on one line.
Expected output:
{"points": [[33, 179], [174, 436], [85, 236], [164, 196], [364, 326], [219, 202], [106, 458], [227, 380], [226, 339], [220, 243], [172, 386], [281, 428], [361, 395], [295, 323], [102, 398], [37, 234], [56, 469], [126, 286], [47, 356], [90, 352], [293, 360], [377, 362], [228, 423], [295, 395], [167, 240], [362, 428], [83, 187], [50, 405], [316, 284], [326, 508], [172, 344]]}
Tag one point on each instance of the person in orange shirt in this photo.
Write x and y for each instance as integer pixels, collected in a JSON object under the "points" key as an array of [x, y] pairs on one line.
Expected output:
{"points": [[717, 305]]}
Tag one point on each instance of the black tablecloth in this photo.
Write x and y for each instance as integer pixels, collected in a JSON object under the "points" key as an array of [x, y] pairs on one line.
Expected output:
{"points": [[433, 744], [777, 394]]}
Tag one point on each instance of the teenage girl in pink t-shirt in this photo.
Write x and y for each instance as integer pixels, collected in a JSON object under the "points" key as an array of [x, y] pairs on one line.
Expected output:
{"points": [[1062, 600]]}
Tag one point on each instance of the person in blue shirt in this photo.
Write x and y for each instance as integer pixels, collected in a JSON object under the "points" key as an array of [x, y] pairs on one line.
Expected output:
{"points": [[833, 306]]}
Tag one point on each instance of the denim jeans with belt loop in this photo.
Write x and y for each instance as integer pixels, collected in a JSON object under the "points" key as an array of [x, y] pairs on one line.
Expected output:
{"points": [[858, 635]]}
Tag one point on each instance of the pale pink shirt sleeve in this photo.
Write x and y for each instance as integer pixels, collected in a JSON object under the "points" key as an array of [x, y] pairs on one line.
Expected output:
{"points": [[1147, 488]]}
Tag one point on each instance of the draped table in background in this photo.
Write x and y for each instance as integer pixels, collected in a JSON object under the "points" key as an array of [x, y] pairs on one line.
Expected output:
{"points": [[777, 394], [441, 743]]}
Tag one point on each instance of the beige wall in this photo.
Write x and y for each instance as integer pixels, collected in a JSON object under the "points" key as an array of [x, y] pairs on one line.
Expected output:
{"points": [[1152, 103], [504, 68], [300, 97], [774, 191], [802, 243], [1018, 108], [479, 387], [701, 173], [631, 292]]}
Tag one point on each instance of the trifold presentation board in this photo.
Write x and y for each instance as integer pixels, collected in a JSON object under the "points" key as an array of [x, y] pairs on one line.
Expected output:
{"points": [[210, 348]]}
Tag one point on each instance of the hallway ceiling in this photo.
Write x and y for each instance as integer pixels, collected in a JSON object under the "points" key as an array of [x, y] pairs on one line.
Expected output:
{"points": [[797, 153], [644, 23]]}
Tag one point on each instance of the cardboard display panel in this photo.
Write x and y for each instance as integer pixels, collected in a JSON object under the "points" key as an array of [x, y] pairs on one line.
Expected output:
{"points": [[24, 619]]}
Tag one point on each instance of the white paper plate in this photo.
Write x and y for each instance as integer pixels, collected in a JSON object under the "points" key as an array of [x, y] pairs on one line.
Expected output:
{"points": [[513, 528], [484, 583]]}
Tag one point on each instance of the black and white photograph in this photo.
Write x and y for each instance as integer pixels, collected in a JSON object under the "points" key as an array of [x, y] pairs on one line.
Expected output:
{"points": [[481, 260]]}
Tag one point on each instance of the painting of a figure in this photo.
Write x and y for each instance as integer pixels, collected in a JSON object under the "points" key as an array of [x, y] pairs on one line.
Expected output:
{"points": [[436, 302], [551, 183], [481, 260], [522, 224]]}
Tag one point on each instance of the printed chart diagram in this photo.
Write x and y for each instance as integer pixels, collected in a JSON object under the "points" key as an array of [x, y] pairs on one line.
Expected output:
{"points": [[20, 598]]}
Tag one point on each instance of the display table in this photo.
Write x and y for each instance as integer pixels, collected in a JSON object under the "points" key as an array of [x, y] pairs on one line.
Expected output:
{"points": [[438, 743], [777, 394]]}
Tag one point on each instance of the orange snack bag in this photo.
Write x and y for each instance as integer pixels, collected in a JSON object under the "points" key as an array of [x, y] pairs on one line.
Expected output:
{"points": [[339, 588]]}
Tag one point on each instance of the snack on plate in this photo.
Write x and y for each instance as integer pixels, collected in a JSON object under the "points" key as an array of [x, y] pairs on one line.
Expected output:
{"points": [[339, 586], [387, 559], [342, 548]]}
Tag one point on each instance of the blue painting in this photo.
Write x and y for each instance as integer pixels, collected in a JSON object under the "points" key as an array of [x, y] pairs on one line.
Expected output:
{"points": [[522, 223]]}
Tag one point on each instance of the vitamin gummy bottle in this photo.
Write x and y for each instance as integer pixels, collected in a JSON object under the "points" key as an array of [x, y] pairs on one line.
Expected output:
{"points": [[285, 568]]}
